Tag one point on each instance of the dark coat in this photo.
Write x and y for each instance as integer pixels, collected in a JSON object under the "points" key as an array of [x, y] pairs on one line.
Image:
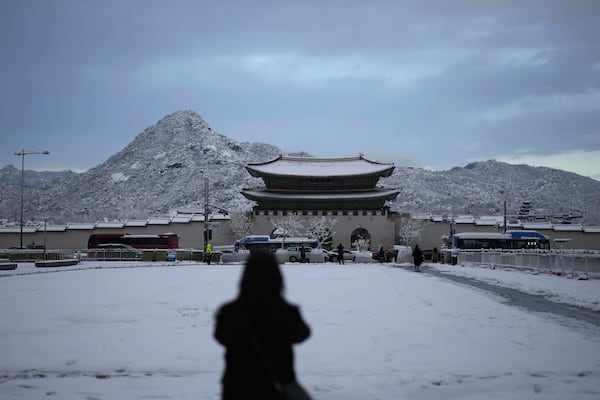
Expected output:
{"points": [[246, 332], [417, 256]]}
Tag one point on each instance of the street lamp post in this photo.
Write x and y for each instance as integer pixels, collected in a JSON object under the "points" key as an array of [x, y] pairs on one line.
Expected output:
{"points": [[23, 153], [206, 227]]}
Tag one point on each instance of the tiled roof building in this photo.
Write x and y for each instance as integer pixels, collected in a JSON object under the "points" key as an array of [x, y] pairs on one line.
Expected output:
{"points": [[306, 183]]}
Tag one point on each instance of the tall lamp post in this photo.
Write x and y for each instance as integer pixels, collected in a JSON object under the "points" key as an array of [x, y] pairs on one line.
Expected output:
{"points": [[206, 227], [23, 153]]}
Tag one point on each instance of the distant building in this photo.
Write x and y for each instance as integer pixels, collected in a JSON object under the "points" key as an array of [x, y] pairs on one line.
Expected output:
{"points": [[344, 189]]}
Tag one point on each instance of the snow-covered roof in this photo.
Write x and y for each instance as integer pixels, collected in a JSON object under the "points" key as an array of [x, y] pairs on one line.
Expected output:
{"points": [[464, 219], [480, 235], [55, 228], [181, 220], [110, 224], [375, 194], [136, 222], [567, 227], [198, 217], [10, 229], [81, 226], [309, 166], [159, 221], [219, 216], [486, 222], [537, 225], [591, 229]]}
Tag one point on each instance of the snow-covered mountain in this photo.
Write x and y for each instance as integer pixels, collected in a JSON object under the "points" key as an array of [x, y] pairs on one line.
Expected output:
{"points": [[481, 188], [163, 170]]}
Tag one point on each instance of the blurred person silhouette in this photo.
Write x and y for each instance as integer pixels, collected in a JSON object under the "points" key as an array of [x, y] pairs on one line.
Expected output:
{"points": [[340, 250], [417, 257], [208, 253], [434, 255], [258, 329]]}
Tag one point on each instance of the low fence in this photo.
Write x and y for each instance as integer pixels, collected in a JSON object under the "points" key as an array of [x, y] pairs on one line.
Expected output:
{"points": [[33, 255], [554, 261]]}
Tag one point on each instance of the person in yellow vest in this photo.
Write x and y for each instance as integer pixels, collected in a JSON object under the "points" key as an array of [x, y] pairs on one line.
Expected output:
{"points": [[208, 253]]}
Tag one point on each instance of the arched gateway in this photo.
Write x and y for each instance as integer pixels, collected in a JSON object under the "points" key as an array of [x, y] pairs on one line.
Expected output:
{"points": [[361, 239], [343, 190]]}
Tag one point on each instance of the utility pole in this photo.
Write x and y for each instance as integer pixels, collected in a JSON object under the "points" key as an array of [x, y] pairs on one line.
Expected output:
{"points": [[504, 216], [205, 213], [23, 153]]}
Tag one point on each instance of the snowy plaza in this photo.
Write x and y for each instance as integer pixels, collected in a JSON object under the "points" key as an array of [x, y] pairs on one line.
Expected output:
{"points": [[144, 331]]}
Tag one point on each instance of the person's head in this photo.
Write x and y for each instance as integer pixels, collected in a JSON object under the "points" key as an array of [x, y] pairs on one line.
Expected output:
{"points": [[262, 278]]}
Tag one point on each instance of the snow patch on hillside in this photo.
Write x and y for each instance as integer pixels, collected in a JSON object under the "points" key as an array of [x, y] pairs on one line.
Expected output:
{"points": [[119, 177]]}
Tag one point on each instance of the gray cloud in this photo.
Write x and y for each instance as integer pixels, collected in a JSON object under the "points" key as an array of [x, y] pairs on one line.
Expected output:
{"points": [[440, 83]]}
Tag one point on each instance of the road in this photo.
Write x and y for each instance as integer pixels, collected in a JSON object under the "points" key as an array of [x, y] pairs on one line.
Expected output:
{"points": [[565, 312]]}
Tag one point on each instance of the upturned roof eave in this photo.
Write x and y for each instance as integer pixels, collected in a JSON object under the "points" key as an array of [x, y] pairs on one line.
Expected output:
{"points": [[257, 195], [255, 170]]}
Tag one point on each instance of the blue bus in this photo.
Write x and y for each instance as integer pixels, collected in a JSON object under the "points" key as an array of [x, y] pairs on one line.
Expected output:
{"points": [[266, 243], [515, 239]]}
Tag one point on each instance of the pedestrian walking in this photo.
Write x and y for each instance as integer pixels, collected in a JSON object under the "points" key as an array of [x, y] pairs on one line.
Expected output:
{"points": [[417, 257], [208, 253], [340, 251], [435, 254]]}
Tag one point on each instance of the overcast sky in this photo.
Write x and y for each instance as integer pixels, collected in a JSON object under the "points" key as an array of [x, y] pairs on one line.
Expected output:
{"points": [[432, 84]]}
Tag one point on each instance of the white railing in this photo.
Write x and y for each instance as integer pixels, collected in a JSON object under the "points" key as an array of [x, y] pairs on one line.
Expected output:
{"points": [[551, 261]]}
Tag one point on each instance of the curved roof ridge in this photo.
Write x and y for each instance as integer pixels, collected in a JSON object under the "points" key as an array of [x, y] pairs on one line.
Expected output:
{"points": [[283, 157], [309, 166]]}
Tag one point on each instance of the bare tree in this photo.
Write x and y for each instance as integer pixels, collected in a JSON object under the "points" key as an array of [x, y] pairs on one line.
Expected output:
{"points": [[411, 230], [241, 224]]}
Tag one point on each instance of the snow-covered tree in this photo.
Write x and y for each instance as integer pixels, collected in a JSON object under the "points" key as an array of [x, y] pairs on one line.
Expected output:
{"points": [[241, 224], [411, 230], [362, 244], [321, 228], [288, 225]]}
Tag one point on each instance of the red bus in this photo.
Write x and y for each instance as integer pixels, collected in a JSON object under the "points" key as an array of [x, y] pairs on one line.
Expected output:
{"points": [[158, 241]]}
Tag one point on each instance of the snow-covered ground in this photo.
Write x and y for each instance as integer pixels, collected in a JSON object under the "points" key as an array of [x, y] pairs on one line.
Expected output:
{"points": [[144, 331], [568, 290]]}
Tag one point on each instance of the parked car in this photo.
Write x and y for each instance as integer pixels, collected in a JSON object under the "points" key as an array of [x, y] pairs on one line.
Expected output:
{"points": [[389, 255], [427, 254], [333, 256], [234, 256], [294, 254], [115, 251]]}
